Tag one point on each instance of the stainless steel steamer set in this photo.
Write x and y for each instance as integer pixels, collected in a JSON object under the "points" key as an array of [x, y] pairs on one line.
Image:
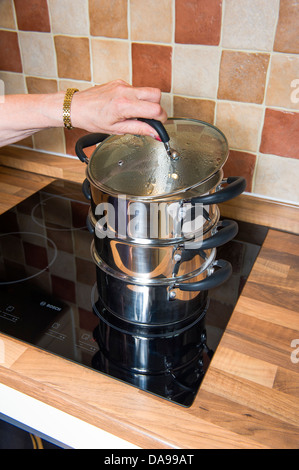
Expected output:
{"points": [[156, 225]]}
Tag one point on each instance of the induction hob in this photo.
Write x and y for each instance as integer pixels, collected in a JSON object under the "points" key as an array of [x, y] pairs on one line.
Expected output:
{"points": [[48, 279]]}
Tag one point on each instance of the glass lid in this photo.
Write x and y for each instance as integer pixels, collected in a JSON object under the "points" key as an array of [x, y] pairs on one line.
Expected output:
{"points": [[140, 166]]}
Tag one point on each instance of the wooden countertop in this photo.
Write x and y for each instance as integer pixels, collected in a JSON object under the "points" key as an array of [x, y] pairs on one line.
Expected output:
{"points": [[249, 396]]}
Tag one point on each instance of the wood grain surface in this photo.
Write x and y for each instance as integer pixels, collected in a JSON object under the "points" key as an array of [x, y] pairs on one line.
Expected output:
{"points": [[248, 398]]}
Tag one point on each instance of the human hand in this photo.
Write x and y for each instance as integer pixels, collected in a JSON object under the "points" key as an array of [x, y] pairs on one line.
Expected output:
{"points": [[112, 108]]}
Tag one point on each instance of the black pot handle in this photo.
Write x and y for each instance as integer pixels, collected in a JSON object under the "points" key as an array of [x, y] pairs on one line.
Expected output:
{"points": [[159, 128], [228, 230], [87, 141], [86, 189], [214, 280], [235, 186]]}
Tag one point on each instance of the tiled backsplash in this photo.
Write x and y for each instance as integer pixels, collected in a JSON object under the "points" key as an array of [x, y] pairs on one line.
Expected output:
{"points": [[232, 63]]}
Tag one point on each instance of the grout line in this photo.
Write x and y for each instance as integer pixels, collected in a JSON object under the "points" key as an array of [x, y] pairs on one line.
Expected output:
{"points": [[220, 57], [130, 42], [90, 47]]}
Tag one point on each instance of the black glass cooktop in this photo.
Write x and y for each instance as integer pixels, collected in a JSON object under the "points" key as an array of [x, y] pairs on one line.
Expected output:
{"points": [[48, 280]]}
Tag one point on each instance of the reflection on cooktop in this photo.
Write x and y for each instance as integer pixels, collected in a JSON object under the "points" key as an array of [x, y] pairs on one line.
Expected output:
{"points": [[48, 279]]}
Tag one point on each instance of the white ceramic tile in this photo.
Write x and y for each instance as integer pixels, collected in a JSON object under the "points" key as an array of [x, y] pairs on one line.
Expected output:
{"points": [[277, 177], [196, 70], [38, 54], [110, 60], [69, 17], [249, 24]]}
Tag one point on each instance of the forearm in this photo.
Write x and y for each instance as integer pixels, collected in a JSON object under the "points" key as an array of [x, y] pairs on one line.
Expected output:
{"points": [[23, 115], [111, 108]]}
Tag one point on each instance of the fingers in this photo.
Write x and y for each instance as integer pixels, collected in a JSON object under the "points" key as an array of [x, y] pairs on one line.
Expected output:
{"points": [[148, 94], [141, 109], [132, 126]]}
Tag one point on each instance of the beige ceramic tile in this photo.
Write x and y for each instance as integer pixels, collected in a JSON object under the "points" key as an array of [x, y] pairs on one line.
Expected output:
{"points": [[195, 71], [283, 85], [108, 18], [38, 54], [166, 103], [69, 17], [194, 108], [241, 124], [64, 84], [41, 85], [73, 57], [51, 140], [277, 177], [110, 60], [249, 24], [242, 76], [151, 20], [7, 19], [14, 83]]}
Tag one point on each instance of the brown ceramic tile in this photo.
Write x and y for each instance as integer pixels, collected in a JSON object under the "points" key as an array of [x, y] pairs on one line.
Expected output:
{"points": [[32, 15], [41, 85], [198, 21], [73, 58], [10, 57], [287, 37], [108, 18], [194, 108], [240, 164], [243, 76], [71, 137], [280, 133], [152, 66]]}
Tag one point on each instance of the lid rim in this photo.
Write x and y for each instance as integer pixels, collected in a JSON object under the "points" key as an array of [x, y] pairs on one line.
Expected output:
{"points": [[113, 192]]}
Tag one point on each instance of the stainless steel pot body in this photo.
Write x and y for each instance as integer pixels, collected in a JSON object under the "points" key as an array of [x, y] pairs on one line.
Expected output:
{"points": [[157, 301], [162, 219], [168, 260]]}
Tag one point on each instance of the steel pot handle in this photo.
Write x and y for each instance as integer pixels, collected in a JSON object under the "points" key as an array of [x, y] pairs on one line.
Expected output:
{"points": [[214, 280], [159, 128], [87, 141], [235, 186]]}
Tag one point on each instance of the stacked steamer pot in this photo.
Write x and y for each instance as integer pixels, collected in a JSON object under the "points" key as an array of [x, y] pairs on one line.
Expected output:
{"points": [[156, 225]]}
